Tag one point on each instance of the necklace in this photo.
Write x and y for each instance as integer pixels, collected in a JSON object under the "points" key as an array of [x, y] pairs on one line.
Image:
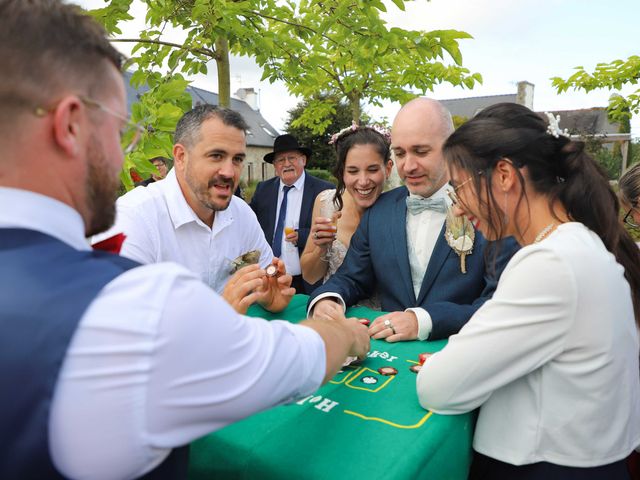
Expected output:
{"points": [[545, 232]]}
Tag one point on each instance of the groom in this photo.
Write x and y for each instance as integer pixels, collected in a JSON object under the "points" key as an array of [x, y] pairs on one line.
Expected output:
{"points": [[402, 254]]}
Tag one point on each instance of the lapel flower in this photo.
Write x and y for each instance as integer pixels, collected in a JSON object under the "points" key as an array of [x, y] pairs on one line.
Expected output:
{"points": [[460, 235]]}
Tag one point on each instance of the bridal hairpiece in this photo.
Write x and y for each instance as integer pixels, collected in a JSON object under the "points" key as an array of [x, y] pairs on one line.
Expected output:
{"points": [[355, 127], [554, 126]]}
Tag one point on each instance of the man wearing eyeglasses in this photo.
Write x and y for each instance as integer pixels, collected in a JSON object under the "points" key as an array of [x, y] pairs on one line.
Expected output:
{"points": [[286, 202], [400, 250], [109, 368]]}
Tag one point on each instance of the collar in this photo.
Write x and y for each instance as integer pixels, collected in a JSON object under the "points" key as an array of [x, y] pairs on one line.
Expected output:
{"points": [[179, 210], [298, 184], [44, 214]]}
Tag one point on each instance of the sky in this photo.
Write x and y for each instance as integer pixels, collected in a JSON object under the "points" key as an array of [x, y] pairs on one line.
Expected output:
{"points": [[513, 40]]}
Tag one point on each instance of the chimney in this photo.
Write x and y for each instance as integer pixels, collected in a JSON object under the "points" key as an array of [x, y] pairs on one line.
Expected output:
{"points": [[525, 94], [249, 95]]}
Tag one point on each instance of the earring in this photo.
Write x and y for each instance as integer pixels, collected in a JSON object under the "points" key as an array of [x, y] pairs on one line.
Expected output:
{"points": [[505, 218]]}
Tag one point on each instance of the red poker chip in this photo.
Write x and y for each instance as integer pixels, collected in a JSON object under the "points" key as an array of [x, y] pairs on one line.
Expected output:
{"points": [[423, 357], [387, 371], [271, 270], [415, 368], [364, 321]]}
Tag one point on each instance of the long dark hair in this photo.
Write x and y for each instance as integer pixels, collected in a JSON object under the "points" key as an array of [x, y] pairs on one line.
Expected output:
{"points": [[344, 143], [557, 167]]}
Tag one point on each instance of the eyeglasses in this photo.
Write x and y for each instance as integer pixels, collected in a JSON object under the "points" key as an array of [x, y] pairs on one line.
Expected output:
{"points": [[288, 158], [629, 220], [130, 135], [452, 193]]}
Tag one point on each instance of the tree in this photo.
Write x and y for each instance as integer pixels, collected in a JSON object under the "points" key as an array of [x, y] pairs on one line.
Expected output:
{"points": [[346, 49], [318, 49], [612, 76], [324, 155]]}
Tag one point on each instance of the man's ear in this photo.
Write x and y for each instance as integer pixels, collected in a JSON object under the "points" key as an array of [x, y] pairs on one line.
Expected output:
{"points": [[68, 125], [179, 156]]}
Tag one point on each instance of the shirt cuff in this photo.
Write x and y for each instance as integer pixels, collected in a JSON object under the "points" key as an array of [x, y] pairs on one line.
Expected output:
{"points": [[331, 295], [425, 325]]}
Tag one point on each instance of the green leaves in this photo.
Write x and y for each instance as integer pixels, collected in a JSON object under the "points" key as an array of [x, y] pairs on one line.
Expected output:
{"points": [[612, 76]]}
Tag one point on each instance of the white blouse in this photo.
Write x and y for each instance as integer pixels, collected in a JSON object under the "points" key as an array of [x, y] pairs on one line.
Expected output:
{"points": [[552, 359]]}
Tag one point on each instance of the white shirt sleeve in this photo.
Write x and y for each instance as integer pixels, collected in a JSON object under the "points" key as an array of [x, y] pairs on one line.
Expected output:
{"points": [[522, 327], [425, 324], [140, 232], [159, 360]]}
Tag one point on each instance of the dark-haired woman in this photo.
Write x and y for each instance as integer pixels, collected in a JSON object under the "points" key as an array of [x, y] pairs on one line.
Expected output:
{"points": [[552, 358], [362, 168]]}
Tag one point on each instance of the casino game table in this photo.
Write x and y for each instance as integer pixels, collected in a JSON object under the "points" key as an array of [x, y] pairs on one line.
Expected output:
{"points": [[360, 425]]}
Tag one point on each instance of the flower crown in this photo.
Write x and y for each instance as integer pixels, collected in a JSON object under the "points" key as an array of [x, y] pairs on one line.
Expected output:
{"points": [[554, 126], [355, 127]]}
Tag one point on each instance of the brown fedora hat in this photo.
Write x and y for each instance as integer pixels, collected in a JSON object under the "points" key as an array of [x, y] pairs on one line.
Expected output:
{"points": [[286, 143]]}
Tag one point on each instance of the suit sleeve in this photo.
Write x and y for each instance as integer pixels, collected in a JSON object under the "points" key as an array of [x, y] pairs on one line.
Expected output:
{"points": [[448, 317], [355, 278]]}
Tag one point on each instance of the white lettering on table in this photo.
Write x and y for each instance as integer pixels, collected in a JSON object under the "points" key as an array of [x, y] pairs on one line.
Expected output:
{"points": [[382, 355], [323, 404]]}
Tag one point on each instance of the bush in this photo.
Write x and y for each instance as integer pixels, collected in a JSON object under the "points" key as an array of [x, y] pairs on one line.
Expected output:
{"points": [[323, 174]]}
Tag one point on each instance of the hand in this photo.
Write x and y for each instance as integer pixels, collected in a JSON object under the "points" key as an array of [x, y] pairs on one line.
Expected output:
{"points": [[361, 341], [292, 238], [323, 231], [245, 287], [327, 309], [278, 291], [404, 323]]}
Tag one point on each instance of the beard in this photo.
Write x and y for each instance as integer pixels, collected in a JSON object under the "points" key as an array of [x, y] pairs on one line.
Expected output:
{"points": [[102, 189], [203, 191]]}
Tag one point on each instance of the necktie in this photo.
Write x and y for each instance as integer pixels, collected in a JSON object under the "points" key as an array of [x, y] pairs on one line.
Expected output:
{"points": [[277, 235], [417, 205]]}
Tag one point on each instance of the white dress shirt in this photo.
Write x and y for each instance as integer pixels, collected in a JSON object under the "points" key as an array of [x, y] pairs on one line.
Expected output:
{"points": [[160, 226], [423, 231], [158, 360], [551, 359], [290, 255]]}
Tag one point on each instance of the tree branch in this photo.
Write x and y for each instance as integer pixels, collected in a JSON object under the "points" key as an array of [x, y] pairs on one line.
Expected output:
{"points": [[203, 51]]}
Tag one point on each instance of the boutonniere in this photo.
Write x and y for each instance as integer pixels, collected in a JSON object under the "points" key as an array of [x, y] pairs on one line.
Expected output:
{"points": [[245, 259], [460, 235]]}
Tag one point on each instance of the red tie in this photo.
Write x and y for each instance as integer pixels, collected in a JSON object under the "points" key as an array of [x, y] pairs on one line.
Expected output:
{"points": [[111, 244]]}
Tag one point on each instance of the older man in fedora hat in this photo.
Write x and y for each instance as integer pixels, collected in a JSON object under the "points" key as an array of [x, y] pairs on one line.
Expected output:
{"points": [[287, 201]]}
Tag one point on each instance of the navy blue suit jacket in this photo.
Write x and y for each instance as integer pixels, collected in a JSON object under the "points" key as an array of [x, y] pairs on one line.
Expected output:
{"points": [[265, 203], [378, 259]]}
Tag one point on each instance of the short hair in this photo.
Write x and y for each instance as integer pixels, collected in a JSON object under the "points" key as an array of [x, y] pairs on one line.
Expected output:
{"points": [[630, 186], [48, 47], [188, 127], [159, 159]]}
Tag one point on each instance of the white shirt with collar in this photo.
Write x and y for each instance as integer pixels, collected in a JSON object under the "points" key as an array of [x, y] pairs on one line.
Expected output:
{"points": [[290, 255], [160, 226], [158, 360], [423, 231]]}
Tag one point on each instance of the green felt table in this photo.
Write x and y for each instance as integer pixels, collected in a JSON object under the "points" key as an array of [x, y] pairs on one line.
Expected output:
{"points": [[359, 425]]}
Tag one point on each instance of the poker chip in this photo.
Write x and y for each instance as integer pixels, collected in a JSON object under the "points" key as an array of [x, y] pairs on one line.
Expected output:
{"points": [[271, 270], [423, 357], [387, 371], [364, 321], [415, 368]]}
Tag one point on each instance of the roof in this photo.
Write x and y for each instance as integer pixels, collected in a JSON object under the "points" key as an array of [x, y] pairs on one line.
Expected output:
{"points": [[261, 133], [587, 121], [468, 107]]}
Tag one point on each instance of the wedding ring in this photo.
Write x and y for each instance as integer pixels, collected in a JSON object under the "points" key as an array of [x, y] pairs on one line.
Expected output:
{"points": [[388, 324], [315, 235]]}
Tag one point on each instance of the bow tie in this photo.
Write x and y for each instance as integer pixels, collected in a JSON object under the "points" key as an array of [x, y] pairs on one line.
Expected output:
{"points": [[417, 205]]}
